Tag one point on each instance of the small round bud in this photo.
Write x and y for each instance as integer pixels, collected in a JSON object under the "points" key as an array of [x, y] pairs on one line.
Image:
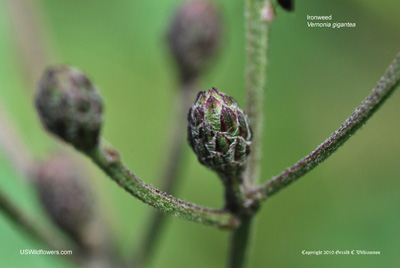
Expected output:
{"points": [[218, 132], [65, 196], [70, 107], [193, 36]]}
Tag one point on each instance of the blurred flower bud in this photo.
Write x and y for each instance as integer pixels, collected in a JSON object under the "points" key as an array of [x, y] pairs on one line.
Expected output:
{"points": [[70, 107], [67, 199], [218, 132], [193, 36], [65, 196], [287, 4]]}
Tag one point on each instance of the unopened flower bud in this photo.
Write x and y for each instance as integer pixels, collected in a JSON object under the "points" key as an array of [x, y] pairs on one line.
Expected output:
{"points": [[70, 107], [65, 196], [218, 132], [193, 36]]}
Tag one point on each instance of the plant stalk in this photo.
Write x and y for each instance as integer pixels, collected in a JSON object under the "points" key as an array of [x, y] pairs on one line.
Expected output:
{"points": [[259, 15], [386, 86], [108, 159], [239, 243]]}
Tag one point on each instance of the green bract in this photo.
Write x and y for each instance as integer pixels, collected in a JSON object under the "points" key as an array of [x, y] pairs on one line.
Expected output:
{"points": [[218, 132]]}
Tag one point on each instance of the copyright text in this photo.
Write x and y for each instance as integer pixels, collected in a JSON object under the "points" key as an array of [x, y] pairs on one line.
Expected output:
{"points": [[340, 252]]}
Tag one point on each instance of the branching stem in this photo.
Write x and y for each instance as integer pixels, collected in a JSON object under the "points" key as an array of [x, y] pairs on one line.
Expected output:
{"points": [[108, 160], [386, 86]]}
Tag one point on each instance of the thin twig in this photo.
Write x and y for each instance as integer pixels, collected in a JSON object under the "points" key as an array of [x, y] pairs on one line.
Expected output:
{"points": [[386, 86], [13, 147], [107, 158], [170, 174], [20, 218]]}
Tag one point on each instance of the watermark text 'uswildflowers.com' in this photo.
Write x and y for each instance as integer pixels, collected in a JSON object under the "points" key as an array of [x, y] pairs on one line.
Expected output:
{"points": [[44, 252]]}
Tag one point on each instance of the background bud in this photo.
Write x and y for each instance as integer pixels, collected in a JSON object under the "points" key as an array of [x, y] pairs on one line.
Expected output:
{"points": [[218, 132], [70, 107], [65, 196], [193, 36]]}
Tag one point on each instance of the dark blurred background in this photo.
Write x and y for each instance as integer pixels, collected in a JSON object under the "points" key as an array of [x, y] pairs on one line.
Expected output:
{"points": [[316, 77]]}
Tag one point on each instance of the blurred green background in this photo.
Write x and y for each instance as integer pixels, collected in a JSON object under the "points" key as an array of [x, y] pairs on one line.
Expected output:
{"points": [[316, 77]]}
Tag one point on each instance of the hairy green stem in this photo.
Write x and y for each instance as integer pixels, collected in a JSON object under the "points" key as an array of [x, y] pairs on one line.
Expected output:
{"points": [[259, 15], [386, 86], [170, 175], [108, 160]]}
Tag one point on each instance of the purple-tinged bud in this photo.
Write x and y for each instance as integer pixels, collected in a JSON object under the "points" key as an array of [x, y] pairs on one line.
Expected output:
{"points": [[65, 196], [193, 36], [70, 107], [218, 132]]}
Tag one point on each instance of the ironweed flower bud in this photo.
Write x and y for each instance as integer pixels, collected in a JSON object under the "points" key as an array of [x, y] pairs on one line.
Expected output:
{"points": [[70, 107], [193, 36], [65, 196], [218, 132]]}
